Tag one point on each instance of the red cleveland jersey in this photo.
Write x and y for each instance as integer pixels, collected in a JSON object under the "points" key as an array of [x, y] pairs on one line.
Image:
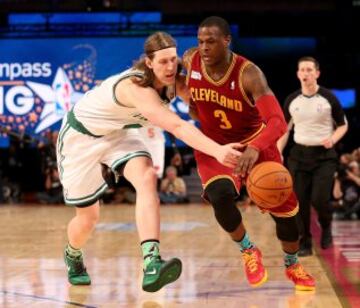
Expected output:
{"points": [[225, 112]]}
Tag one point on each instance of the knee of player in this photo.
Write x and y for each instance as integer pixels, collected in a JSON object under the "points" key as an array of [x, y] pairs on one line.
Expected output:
{"points": [[221, 191], [148, 178], [287, 228], [221, 194], [89, 221]]}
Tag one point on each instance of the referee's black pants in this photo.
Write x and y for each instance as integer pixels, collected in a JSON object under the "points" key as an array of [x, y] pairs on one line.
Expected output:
{"points": [[313, 169]]}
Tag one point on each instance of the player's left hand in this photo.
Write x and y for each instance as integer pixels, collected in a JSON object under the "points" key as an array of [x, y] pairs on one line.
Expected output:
{"points": [[246, 161]]}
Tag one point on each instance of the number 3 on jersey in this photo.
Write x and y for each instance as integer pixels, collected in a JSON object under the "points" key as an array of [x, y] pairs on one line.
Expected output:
{"points": [[225, 123]]}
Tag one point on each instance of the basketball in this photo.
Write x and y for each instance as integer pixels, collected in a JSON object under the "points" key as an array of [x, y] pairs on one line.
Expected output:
{"points": [[269, 184]]}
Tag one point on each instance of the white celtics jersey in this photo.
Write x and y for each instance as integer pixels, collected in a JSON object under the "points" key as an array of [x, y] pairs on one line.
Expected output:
{"points": [[99, 113]]}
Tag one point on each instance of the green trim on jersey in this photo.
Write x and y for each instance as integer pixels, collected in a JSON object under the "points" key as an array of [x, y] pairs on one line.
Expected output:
{"points": [[124, 76], [77, 125], [60, 146]]}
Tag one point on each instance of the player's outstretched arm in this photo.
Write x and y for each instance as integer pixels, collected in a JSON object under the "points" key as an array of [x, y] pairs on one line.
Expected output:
{"points": [[159, 115]]}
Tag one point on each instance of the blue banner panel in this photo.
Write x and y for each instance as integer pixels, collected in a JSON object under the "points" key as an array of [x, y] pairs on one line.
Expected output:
{"points": [[41, 79], [81, 18], [262, 47], [347, 97]]}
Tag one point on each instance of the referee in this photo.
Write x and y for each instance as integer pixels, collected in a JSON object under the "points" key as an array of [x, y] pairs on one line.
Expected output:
{"points": [[319, 123]]}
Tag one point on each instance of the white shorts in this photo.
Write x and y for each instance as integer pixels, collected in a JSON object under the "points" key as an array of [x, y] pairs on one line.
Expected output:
{"points": [[154, 139], [79, 158]]}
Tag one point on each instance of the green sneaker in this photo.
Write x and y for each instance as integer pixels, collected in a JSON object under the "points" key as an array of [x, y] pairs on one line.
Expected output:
{"points": [[159, 273], [77, 274]]}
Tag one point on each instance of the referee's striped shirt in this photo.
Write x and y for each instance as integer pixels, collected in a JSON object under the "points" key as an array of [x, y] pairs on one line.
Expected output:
{"points": [[314, 117]]}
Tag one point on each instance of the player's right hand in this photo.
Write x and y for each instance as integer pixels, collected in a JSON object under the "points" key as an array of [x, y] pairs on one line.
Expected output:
{"points": [[229, 154], [247, 161]]}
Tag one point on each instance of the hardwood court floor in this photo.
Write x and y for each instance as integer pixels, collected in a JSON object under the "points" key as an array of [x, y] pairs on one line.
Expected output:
{"points": [[32, 272]]}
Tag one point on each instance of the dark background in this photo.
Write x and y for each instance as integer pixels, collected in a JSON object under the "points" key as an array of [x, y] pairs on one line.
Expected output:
{"points": [[333, 24]]}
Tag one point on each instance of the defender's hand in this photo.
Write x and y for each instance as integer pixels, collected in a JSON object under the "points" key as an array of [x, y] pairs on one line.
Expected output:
{"points": [[229, 154], [247, 161]]}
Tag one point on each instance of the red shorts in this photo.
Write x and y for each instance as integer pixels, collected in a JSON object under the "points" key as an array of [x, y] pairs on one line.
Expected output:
{"points": [[210, 170]]}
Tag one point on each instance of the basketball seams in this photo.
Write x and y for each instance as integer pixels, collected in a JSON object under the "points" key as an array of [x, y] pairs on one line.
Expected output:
{"points": [[268, 173], [257, 180], [263, 200], [273, 189], [254, 170]]}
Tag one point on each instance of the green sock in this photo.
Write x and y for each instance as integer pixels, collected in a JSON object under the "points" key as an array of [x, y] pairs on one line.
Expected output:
{"points": [[245, 243], [290, 258], [73, 252], [150, 249]]}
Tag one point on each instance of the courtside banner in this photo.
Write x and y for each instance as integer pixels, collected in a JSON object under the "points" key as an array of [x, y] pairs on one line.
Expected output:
{"points": [[41, 79]]}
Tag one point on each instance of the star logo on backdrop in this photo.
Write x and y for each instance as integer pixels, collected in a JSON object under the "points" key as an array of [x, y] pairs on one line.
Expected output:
{"points": [[59, 99]]}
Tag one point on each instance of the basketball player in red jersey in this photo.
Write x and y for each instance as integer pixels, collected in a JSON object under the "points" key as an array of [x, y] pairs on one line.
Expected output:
{"points": [[233, 102]]}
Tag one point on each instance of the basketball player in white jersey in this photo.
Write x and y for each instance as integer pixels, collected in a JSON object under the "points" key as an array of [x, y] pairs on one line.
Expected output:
{"points": [[95, 132]]}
